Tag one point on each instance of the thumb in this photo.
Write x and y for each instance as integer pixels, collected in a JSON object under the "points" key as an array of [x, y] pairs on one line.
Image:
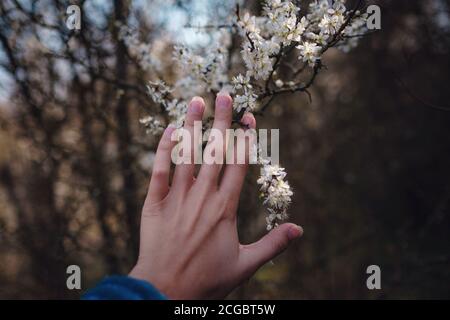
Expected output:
{"points": [[276, 241]]}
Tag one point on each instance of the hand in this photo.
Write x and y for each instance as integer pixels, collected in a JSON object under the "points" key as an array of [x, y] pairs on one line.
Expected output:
{"points": [[189, 246]]}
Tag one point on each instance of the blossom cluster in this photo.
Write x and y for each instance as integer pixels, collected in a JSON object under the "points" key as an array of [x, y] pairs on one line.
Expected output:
{"points": [[175, 109], [275, 191], [283, 31], [204, 71], [152, 125], [326, 20], [280, 27], [247, 99]]}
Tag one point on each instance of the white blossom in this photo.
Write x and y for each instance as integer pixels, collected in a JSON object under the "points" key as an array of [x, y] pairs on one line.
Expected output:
{"points": [[282, 20], [275, 191], [353, 32], [257, 55], [300, 29], [207, 69], [279, 83], [246, 101], [320, 39], [248, 25], [160, 93], [333, 19], [152, 125], [242, 82], [309, 52], [317, 10]]}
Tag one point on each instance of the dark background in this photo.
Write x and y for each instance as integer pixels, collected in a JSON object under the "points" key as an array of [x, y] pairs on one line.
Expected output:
{"points": [[368, 159]]}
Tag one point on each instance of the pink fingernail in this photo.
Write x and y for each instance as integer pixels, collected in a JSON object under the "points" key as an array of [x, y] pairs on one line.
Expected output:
{"points": [[295, 232], [223, 100], [196, 105], [247, 120]]}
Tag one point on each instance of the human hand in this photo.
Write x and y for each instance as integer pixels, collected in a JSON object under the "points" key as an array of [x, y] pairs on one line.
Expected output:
{"points": [[189, 247]]}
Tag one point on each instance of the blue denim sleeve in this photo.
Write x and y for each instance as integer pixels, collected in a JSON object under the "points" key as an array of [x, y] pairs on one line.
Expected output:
{"points": [[123, 288]]}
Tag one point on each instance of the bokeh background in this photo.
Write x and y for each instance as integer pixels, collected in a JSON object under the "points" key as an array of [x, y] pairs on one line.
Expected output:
{"points": [[368, 158]]}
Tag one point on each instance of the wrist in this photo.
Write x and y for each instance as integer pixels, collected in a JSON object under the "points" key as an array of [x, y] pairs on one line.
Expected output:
{"points": [[141, 272]]}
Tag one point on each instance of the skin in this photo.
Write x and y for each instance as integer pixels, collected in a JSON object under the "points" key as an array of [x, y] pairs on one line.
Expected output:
{"points": [[189, 246]]}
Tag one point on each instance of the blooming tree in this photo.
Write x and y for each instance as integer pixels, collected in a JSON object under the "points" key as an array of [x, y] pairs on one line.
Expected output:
{"points": [[267, 42]]}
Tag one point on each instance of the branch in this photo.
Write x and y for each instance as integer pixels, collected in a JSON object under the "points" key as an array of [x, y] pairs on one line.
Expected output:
{"points": [[304, 88], [338, 35], [298, 88]]}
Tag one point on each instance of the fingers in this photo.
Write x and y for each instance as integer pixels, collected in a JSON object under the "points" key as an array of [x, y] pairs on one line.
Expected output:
{"points": [[234, 175], [184, 172], [159, 183], [222, 121], [257, 254]]}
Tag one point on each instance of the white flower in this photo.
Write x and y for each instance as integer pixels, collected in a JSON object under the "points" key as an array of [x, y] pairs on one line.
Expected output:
{"points": [[282, 20], [257, 57], [317, 9], [279, 83], [177, 111], [152, 125], [331, 21], [320, 39], [241, 82], [247, 102], [326, 24], [248, 24], [353, 31], [309, 52], [326, 19], [279, 194], [160, 93], [300, 29], [207, 69], [275, 191]]}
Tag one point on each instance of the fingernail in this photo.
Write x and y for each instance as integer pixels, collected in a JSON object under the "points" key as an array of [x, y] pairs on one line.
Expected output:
{"points": [[196, 105], [295, 232], [247, 120], [223, 100]]}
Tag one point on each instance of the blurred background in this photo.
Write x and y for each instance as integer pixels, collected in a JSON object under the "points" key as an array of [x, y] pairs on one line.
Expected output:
{"points": [[368, 159]]}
